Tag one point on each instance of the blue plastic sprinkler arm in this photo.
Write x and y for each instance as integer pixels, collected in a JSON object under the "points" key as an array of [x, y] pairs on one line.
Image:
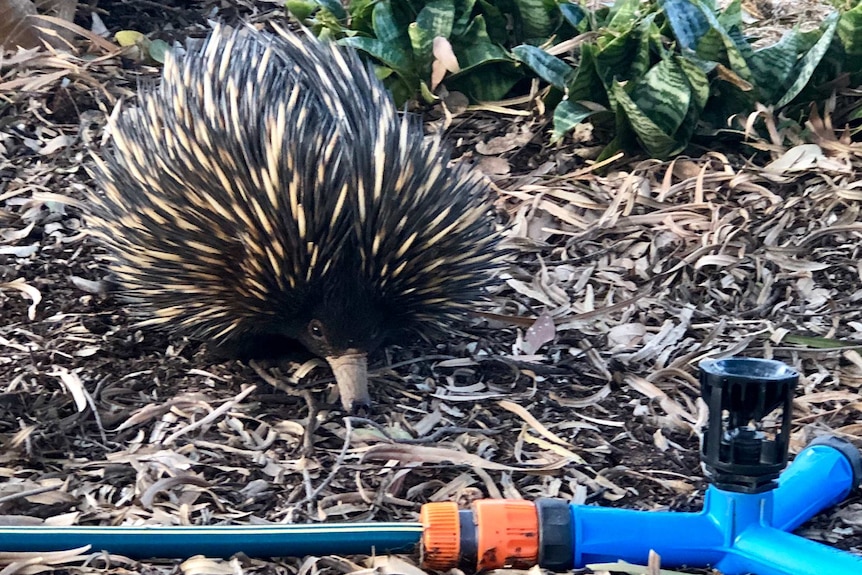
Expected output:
{"points": [[141, 542], [606, 535], [823, 474], [769, 551], [737, 533]]}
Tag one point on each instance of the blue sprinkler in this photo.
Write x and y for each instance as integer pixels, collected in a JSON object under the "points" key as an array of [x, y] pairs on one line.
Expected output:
{"points": [[749, 509]]}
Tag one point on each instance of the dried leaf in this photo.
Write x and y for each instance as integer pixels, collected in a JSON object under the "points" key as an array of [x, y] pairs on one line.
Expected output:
{"points": [[541, 332], [796, 159], [73, 384], [200, 565], [437, 455], [533, 422], [394, 565], [28, 290], [444, 61]]}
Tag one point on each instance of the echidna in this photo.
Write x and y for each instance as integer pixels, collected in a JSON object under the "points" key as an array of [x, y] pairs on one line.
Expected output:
{"points": [[268, 187]]}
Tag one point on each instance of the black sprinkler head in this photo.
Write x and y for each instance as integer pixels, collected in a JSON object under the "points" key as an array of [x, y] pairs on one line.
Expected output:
{"points": [[745, 444]]}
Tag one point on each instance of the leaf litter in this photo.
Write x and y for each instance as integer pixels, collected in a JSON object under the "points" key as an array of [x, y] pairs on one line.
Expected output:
{"points": [[580, 383]]}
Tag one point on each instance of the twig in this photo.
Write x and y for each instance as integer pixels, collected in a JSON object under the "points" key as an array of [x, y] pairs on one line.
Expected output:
{"points": [[311, 422], [311, 493], [339, 461], [227, 406], [22, 494]]}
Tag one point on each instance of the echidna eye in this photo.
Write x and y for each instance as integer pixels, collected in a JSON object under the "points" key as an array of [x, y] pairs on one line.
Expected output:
{"points": [[315, 328]]}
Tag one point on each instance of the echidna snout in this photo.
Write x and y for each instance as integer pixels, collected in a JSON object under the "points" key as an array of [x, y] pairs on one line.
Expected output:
{"points": [[269, 187], [351, 375]]}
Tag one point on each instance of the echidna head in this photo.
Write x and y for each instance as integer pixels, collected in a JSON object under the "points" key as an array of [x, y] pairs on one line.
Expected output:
{"points": [[343, 321]]}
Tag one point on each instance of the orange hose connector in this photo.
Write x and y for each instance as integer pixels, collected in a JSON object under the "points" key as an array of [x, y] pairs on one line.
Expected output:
{"points": [[441, 536], [506, 535]]}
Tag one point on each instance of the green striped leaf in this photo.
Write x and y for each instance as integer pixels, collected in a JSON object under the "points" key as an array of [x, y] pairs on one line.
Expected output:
{"points": [[614, 59], [474, 48], [663, 95], [772, 66], [487, 71], [435, 19], [698, 83], [486, 83], [301, 9], [586, 84], [360, 12], [697, 28], [689, 24], [334, 7], [497, 22], [463, 15], [738, 54], [549, 68], [653, 139], [390, 46], [393, 58], [649, 41], [396, 58], [574, 15], [387, 27], [719, 44], [806, 66], [623, 14], [850, 34], [567, 115], [536, 20], [711, 46], [731, 16]]}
